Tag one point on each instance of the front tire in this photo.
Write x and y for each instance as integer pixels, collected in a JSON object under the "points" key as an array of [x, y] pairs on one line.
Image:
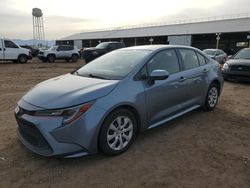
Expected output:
{"points": [[117, 132], [22, 59], [51, 58], [212, 97]]}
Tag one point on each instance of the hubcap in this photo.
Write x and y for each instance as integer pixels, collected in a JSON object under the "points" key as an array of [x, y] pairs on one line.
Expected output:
{"points": [[120, 133], [212, 97]]}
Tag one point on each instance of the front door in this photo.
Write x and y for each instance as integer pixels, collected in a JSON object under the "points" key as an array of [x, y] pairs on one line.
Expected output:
{"points": [[11, 50], [165, 97]]}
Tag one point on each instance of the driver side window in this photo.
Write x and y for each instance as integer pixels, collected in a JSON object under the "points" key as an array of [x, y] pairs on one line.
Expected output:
{"points": [[9, 44], [164, 60]]}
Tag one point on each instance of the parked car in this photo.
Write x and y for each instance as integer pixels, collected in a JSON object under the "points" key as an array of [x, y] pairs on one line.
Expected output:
{"points": [[90, 54], [9, 50], [238, 66], [103, 105], [216, 54], [65, 52], [33, 50]]}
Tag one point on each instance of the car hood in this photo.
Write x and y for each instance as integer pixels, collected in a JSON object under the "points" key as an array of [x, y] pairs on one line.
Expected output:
{"points": [[68, 90], [25, 49], [239, 62]]}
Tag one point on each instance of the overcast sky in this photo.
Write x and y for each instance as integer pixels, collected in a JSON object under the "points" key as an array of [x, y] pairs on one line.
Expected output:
{"points": [[66, 17]]}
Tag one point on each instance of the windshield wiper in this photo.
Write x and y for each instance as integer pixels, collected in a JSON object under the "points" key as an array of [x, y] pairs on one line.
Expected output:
{"points": [[96, 76], [90, 75]]}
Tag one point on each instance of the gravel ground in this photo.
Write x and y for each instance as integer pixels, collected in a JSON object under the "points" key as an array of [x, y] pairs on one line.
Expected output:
{"points": [[199, 149]]}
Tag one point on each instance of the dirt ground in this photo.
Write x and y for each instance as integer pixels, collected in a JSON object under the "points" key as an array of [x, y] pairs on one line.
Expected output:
{"points": [[200, 149]]}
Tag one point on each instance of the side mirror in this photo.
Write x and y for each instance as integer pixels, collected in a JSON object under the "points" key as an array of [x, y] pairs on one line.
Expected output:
{"points": [[158, 75]]}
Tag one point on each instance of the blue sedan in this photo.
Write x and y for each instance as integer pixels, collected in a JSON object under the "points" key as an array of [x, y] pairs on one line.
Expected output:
{"points": [[106, 103]]}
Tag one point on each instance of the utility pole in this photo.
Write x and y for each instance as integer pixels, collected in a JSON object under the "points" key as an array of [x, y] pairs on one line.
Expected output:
{"points": [[217, 39]]}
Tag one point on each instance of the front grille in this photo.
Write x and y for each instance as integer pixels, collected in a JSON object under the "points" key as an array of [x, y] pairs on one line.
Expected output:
{"points": [[240, 68], [32, 135]]}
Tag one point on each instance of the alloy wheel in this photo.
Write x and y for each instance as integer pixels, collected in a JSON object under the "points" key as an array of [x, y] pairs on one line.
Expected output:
{"points": [[212, 97], [120, 133]]}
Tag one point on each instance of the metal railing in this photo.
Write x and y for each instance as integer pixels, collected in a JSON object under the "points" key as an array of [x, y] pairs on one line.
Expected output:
{"points": [[174, 22]]}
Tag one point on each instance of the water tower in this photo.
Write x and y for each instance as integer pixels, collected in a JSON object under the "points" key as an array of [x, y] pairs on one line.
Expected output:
{"points": [[38, 29]]}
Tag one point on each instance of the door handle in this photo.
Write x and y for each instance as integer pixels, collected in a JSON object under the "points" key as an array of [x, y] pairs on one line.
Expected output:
{"points": [[182, 79], [205, 71], [4, 49]]}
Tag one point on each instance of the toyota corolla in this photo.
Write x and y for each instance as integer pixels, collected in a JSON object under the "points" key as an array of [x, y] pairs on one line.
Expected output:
{"points": [[106, 103]]}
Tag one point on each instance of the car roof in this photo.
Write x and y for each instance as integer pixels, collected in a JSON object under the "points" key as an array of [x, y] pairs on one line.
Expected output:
{"points": [[157, 47], [111, 42], [212, 49]]}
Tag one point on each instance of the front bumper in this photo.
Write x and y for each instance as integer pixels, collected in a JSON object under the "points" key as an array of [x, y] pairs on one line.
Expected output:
{"points": [[236, 75], [45, 135], [41, 57]]}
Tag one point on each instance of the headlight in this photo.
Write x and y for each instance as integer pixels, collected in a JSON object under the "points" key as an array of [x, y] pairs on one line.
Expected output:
{"points": [[225, 66], [68, 114]]}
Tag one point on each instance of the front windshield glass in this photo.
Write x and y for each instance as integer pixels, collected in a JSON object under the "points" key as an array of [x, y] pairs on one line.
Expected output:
{"points": [[243, 54], [52, 48], [102, 45], [210, 52], [114, 65]]}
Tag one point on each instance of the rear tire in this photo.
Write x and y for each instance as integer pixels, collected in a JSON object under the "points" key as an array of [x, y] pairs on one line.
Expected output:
{"points": [[117, 132], [22, 59], [212, 97], [74, 58]]}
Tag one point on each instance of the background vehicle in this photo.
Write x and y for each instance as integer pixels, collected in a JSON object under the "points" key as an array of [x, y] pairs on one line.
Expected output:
{"points": [[33, 50], [238, 66], [216, 54], [91, 108], [65, 52], [90, 54], [9, 50]]}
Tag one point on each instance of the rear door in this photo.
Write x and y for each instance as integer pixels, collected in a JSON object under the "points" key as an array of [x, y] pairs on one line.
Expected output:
{"points": [[195, 73], [1, 49], [68, 51], [165, 97], [11, 50]]}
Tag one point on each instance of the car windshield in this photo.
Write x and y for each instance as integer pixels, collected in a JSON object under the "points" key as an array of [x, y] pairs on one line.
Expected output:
{"points": [[243, 54], [209, 52], [114, 65], [52, 48], [102, 45]]}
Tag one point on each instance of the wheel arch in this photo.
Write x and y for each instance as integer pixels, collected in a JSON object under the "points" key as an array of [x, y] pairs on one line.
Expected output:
{"points": [[51, 54], [217, 82], [130, 108], [75, 54], [21, 55]]}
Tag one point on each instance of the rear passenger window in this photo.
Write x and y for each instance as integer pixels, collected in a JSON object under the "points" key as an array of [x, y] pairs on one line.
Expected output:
{"points": [[164, 60], [189, 58], [112, 46], [68, 48], [201, 59]]}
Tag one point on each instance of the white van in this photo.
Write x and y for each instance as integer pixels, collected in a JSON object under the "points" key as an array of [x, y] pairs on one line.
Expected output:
{"points": [[9, 50]]}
